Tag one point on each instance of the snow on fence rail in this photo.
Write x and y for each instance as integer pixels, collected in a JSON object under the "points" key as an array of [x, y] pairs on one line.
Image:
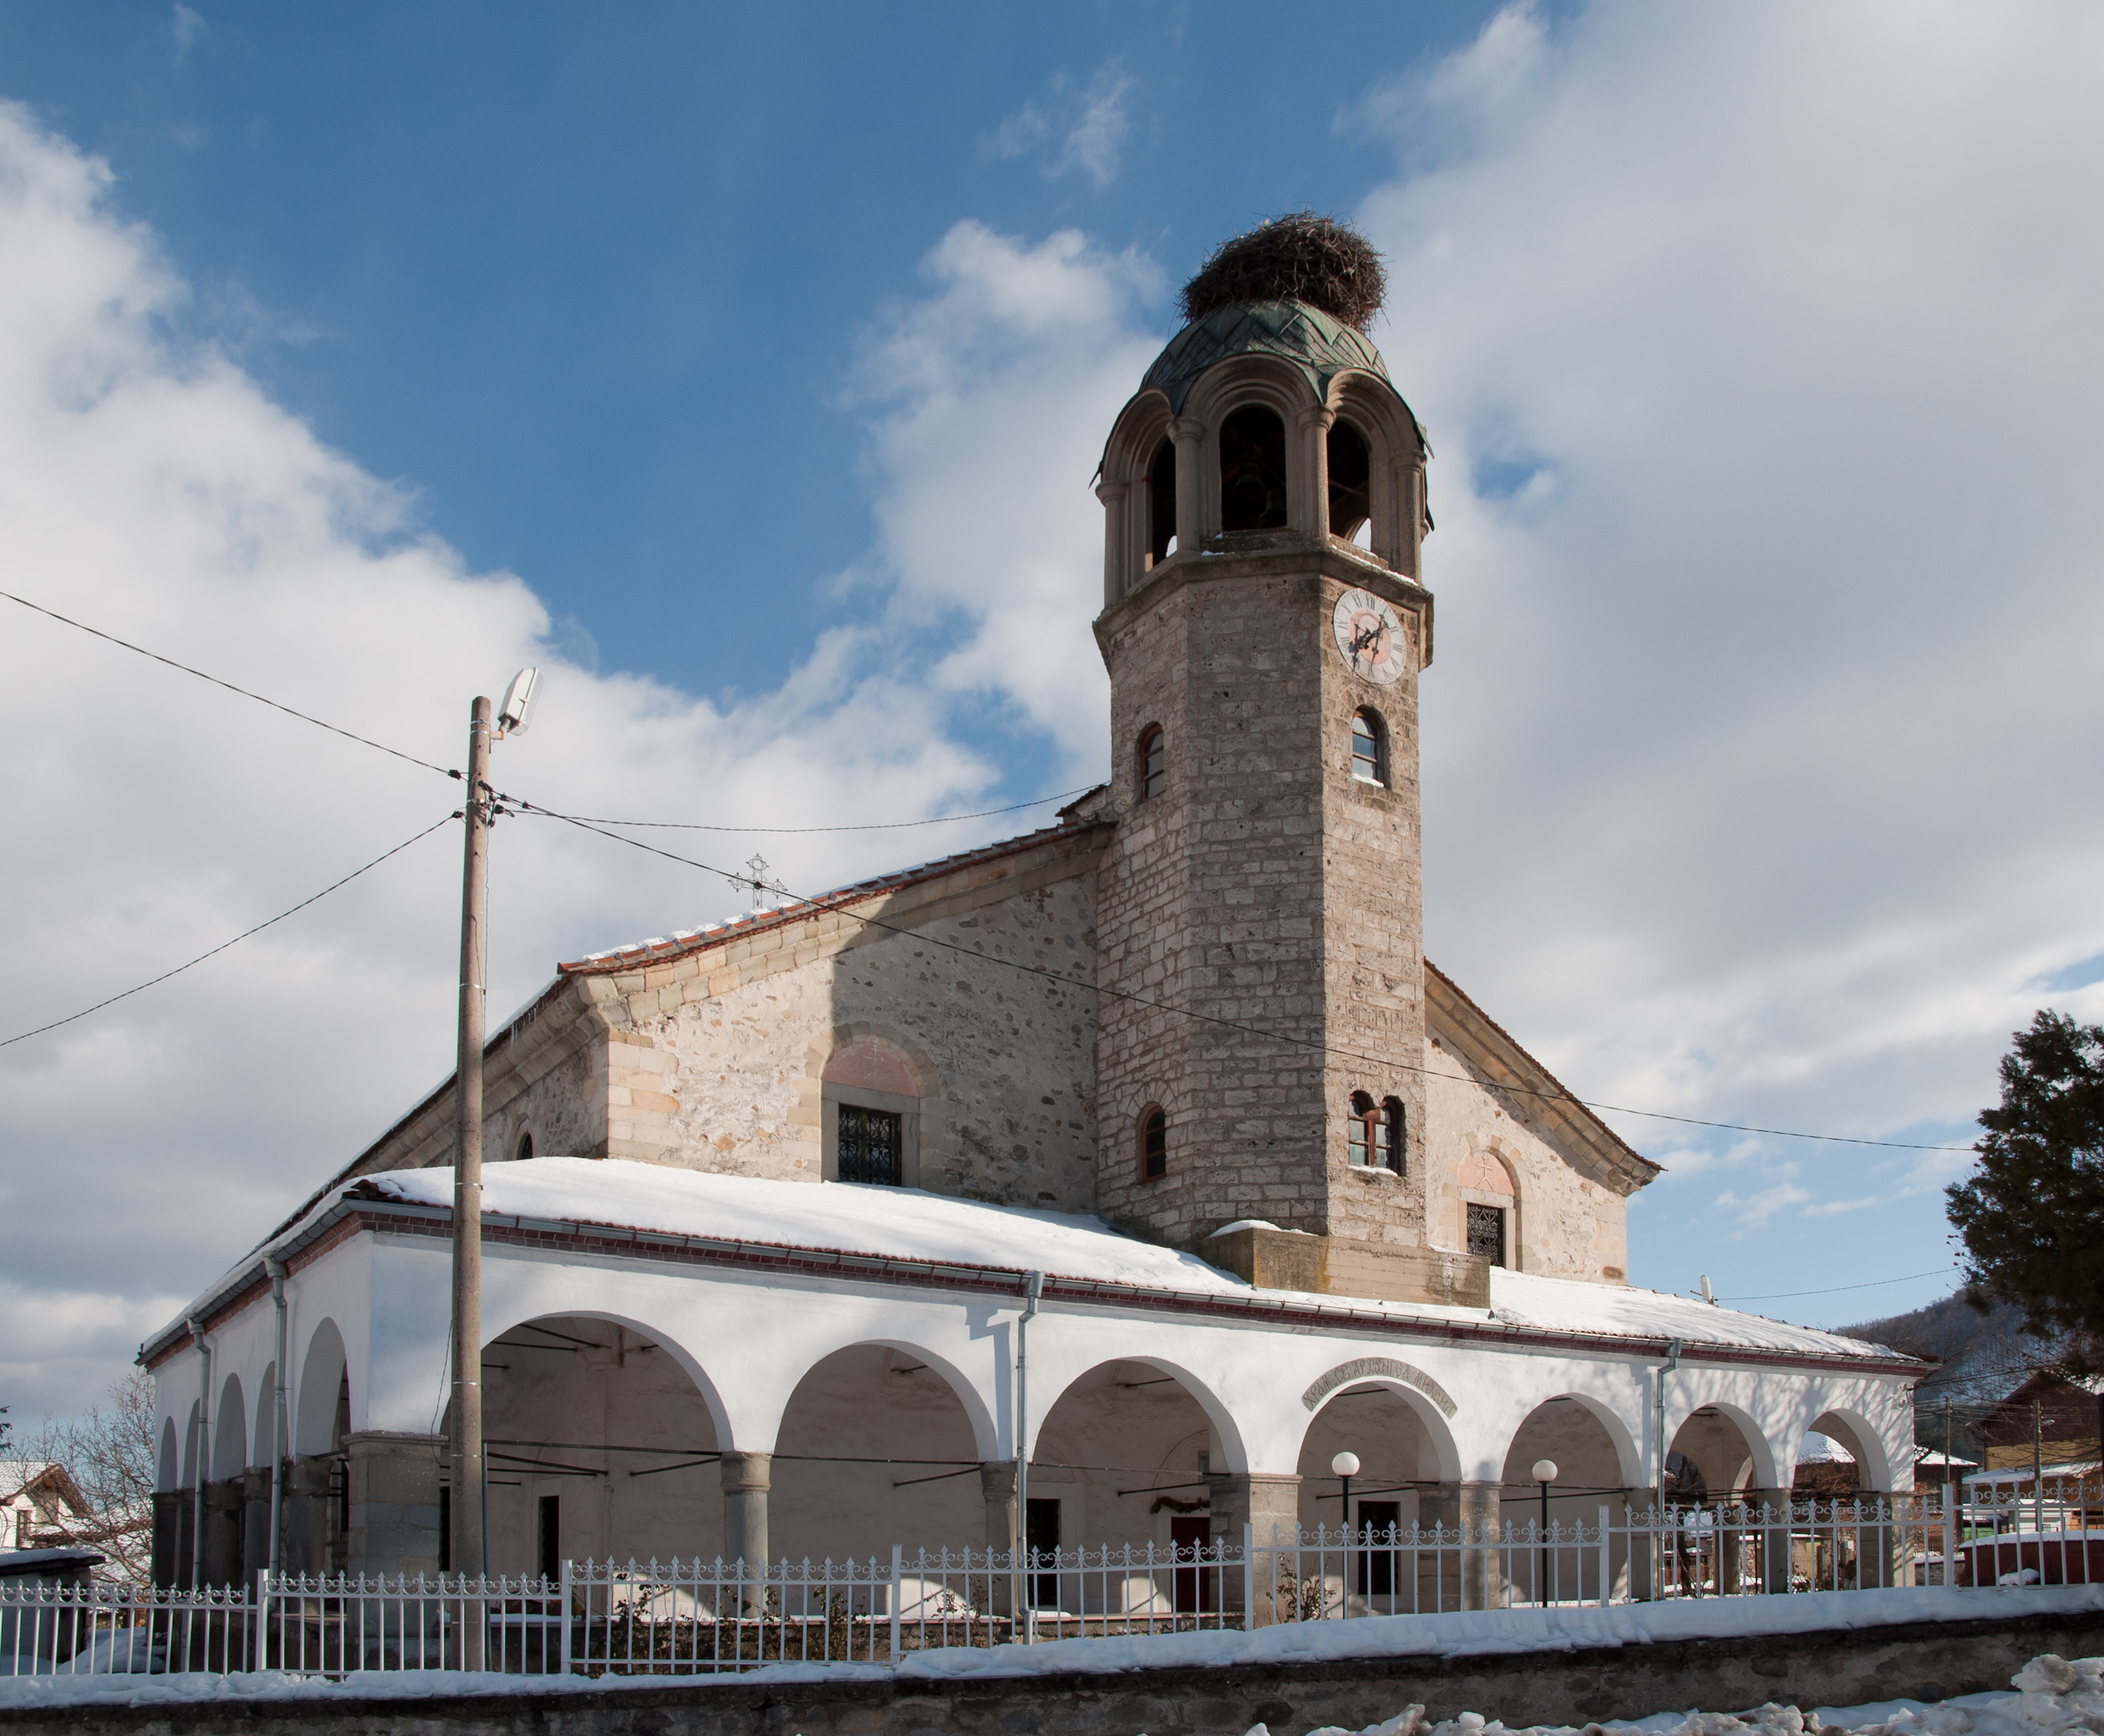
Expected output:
{"points": [[689, 1617]]}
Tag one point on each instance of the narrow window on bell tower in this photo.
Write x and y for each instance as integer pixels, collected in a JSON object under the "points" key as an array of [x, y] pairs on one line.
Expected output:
{"points": [[1161, 503], [1368, 747], [1153, 1145], [1150, 766], [1350, 477], [1395, 1127], [1252, 470]]}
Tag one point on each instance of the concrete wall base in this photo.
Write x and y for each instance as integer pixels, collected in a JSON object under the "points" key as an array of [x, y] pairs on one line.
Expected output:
{"points": [[1925, 1659]]}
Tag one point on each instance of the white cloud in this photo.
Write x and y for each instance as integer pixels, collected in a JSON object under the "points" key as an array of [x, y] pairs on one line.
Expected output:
{"points": [[1758, 774], [188, 27], [1089, 127], [148, 487]]}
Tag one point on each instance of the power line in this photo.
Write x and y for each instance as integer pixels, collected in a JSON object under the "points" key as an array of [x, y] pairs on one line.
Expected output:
{"points": [[352, 735], [525, 807], [874, 826], [25, 1036], [367, 742], [1835, 1289]]}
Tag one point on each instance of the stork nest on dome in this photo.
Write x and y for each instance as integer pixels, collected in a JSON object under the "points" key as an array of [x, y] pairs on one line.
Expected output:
{"points": [[1300, 257]]}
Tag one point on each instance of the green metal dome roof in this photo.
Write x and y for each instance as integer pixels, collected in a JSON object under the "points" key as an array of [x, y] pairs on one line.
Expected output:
{"points": [[1320, 346]]}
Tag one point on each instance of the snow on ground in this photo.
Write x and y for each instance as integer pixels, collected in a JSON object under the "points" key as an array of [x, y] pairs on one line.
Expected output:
{"points": [[2076, 1702]]}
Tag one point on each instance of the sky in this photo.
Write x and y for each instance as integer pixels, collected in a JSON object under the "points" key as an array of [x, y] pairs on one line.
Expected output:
{"points": [[746, 370]]}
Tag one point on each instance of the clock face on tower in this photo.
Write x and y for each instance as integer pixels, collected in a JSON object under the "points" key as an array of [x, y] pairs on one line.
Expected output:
{"points": [[1369, 637]]}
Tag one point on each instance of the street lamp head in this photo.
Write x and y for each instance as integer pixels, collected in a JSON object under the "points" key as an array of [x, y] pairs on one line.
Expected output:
{"points": [[1346, 1465], [518, 700], [1545, 1471]]}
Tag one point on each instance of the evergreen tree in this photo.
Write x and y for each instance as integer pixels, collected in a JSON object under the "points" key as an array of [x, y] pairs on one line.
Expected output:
{"points": [[2032, 1216]]}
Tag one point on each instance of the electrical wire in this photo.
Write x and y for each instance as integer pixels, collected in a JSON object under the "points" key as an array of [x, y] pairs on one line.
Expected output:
{"points": [[246, 933], [662, 824], [1869, 1284], [837, 906], [590, 823], [873, 826], [363, 740]]}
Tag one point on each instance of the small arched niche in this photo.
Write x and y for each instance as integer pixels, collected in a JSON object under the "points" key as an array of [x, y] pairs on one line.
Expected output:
{"points": [[871, 1109], [1350, 465], [1252, 470]]}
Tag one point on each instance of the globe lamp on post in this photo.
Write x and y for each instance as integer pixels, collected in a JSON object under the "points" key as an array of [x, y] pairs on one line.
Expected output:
{"points": [[1544, 1474], [1346, 1466]]}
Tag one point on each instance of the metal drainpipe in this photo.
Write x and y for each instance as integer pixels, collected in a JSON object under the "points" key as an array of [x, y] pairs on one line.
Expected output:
{"points": [[1672, 1362], [204, 1452], [1033, 1287], [275, 1267]]}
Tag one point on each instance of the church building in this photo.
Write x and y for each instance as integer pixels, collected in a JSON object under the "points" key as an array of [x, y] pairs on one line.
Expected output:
{"points": [[757, 1253]]}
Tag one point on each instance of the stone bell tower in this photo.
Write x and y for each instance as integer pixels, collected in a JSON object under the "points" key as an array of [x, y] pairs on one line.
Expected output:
{"points": [[1260, 911]]}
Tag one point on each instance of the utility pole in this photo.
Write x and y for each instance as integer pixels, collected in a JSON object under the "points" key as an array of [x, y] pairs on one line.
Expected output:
{"points": [[470, 1547]]}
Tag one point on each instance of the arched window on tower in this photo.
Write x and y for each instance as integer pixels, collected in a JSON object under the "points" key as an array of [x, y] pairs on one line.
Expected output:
{"points": [[1350, 479], [1252, 470], [525, 1149], [1362, 1130], [1393, 1149], [1154, 1143], [1151, 762], [1161, 503], [1368, 747]]}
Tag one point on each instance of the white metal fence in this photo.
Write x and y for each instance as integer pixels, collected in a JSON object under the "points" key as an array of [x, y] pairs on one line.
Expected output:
{"points": [[691, 1617]]}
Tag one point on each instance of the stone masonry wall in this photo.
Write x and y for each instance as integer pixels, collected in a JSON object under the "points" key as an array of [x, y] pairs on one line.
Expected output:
{"points": [[1210, 900], [1925, 1659], [1262, 888], [1568, 1225], [716, 1058]]}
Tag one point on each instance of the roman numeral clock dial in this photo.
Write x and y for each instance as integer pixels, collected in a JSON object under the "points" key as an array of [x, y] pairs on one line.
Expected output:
{"points": [[1369, 637]]}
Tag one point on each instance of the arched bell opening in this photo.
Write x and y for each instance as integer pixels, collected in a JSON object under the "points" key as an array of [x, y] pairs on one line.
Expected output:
{"points": [[1125, 1455], [1252, 470], [1351, 467], [597, 1445], [1161, 505]]}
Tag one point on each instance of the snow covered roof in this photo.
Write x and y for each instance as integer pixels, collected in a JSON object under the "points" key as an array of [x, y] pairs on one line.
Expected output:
{"points": [[897, 1223], [974, 1239], [1568, 1304]]}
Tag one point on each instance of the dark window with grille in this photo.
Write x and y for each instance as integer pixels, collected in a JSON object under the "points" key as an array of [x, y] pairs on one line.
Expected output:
{"points": [[1154, 762], [1369, 748], [1486, 1233], [1154, 1146], [868, 1145]]}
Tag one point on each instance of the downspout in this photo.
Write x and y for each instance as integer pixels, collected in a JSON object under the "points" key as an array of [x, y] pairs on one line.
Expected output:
{"points": [[1672, 1362], [204, 1454], [1033, 1287], [275, 1267]]}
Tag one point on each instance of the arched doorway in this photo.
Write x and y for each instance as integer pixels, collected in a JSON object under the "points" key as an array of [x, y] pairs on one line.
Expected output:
{"points": [[1595, 1462], [597, 1445], [1406, 1458], [876, 1448], [1126, 1455]]}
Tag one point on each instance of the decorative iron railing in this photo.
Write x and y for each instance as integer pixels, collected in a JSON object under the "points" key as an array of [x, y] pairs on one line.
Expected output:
{"points": [[688, 1617]]}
